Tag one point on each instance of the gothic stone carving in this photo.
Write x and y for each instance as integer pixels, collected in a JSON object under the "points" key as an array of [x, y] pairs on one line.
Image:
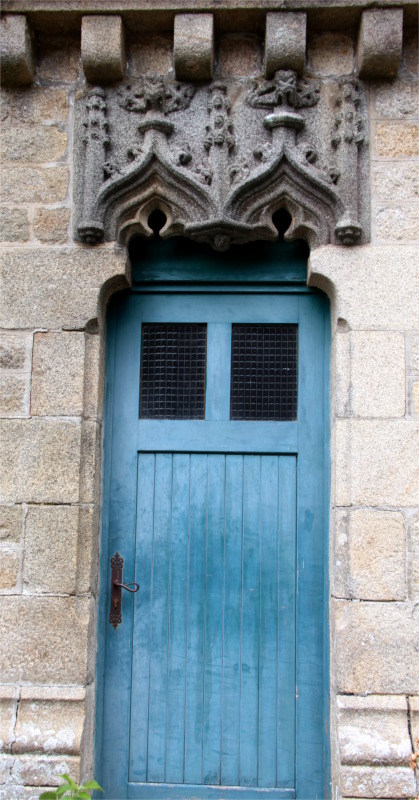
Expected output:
{"points": [[219, 159]]}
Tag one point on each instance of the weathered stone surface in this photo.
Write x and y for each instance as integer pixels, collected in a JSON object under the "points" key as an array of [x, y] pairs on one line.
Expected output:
{"points": [[397, 224], [400, 181], [47, 639], [88, 551], [373, 730], [39, 104], [50, 720], [376, 648], [238, 56], [380, 43], [40, 460], [394, 139], [57, 374], [10, 792], [94, 377], [33, 184], [59, 59], [14, 226], [39, 143], [151, 54], [341, 370], [413, 555], [331, 54], [17, 61], [10, 523], [414, 354], [15, 350], [51, 536], [378, 379], [397, 100], [8, 697], [193, 47], [90, 460], [414, 714], [9, 568], [383, 782], [414, 401], [103, 48], [410, 55], [364, 287], [40, 770], [285, 41], [14, 394], [50, 225], [55, 288], [370, 555]]}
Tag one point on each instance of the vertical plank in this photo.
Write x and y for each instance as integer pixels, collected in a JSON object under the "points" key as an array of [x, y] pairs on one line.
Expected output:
{"points": [[231, 621], [249, 667], [177, 620], [159, 619], [213, 620], [217, 401], [141, 631], [195, 620], [268, 674]]}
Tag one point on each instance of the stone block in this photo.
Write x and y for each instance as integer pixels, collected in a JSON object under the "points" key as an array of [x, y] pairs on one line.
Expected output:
{"points": [[397, 139], [51, 537], [47, 639], [414, 716], [400, 180], [57, 374], [15, 350], [14, 226], [39, 104], [378, 380], [285, 41], [50, 225], [88, 551], [373, 730], [193, 47], [342, 372], [8, 700], [331, 54], [370, 555], [40, 460], [10, 523], [103, 48], [9, 568], [33, 184], [397, 100], [382, 782], [239, 55], [397, 224], [40, 770], [362, 283], [50, 289], [39, 143], [413, 555], [90, 460], [414, 354], [413, 389], [10, 792], [94, 378], [59, 58], [50, 721], [14, 394], [151, 54], [376, 648], [17, 60], [380, 43]]}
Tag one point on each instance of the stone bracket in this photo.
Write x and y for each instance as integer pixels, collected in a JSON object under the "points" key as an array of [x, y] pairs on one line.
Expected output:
{"points": [[103, 48], [17, 59], [380, 42], [193, 47]]}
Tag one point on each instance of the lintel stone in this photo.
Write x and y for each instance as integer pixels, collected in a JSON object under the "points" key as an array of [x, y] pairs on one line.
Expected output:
{"points": [[17, 61], [103, 48], [285, 41], [193, 49], [380, 43]]}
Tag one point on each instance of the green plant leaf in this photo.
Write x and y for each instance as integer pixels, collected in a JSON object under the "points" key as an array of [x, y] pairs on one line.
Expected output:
{"points": [[69, 780], [82, 796], [93, 785], [48, 796], [62, 790]]}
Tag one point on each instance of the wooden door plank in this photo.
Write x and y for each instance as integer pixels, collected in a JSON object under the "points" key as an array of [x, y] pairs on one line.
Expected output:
{"points": [[138, 791], [217, 406], [206, 436]]}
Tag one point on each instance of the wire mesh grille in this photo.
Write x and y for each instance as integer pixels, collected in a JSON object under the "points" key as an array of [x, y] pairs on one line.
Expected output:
{"points": [[264, 372], [173, 360]]}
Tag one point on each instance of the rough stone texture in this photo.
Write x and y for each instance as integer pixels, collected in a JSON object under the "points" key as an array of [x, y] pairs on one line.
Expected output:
{"points": [[373, 730], [14, 225], [151, 54], [50, 549], [50, 225], [239, 55], [415, 398], [57, 374], [40, 460], [15, 366], [397, 224], [285, 41], [399, 181], [370, 555], [40, 143], [380, 43], [413, 555], [8, 697], [50, 720], [17, 62], [39, 104], [193, 47], [47, 639], [414, 713], [10, 792], [10, 523], [88, 551], [39, 770], [52, 288], [376, 648], [33, 184], [15, 350], [382, 782], [94, 377], [331, 54], [398, 100], [59, 59], [381, 356], [365, 477], [9, 568], [103, 48], [394, 139]]}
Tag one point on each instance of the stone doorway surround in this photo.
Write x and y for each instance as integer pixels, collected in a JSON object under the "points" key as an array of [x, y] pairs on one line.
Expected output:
{"points": [[55, 285]]}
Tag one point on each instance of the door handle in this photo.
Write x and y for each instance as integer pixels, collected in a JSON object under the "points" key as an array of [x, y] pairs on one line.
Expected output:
{"points": [[115, 614]]}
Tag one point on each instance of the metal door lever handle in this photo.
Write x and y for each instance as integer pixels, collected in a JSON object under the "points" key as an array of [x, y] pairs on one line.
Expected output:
{"points": [[115, 614], [127, 585]]}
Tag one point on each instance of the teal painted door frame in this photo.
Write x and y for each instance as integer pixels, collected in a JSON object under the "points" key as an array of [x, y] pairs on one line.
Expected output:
{"points": [[273, 292]]}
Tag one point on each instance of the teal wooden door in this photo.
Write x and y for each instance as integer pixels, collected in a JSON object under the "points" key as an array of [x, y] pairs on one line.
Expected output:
{"points": [[213, 684]]}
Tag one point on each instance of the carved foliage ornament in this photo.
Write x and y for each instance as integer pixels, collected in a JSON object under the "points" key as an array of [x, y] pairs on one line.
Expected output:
{"points": [[220, 159]]}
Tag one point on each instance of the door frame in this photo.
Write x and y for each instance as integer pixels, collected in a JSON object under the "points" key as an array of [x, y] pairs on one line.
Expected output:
{"points": [[285, 273]]}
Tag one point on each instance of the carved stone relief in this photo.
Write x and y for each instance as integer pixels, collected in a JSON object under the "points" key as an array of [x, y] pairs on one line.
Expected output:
{"points": [[219, 159]]}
